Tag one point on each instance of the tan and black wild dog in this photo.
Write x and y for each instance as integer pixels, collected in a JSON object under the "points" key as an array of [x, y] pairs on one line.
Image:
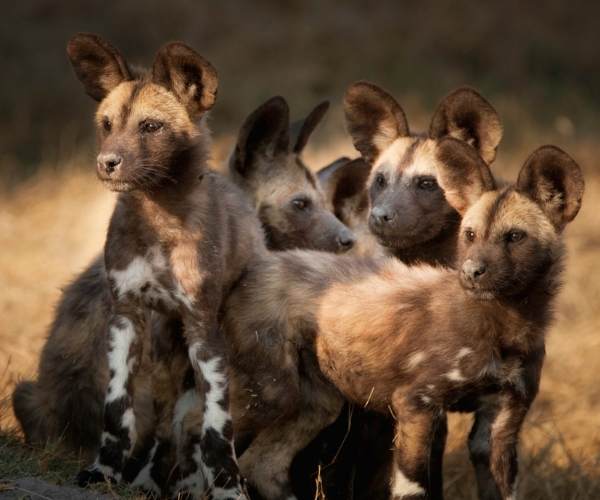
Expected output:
{"points": [[390, 197], [179, 238], [420, 341]]}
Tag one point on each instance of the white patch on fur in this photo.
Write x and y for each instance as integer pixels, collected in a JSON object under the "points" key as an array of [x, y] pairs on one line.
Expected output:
{"points": [[455, 375], [415, 359], [404, 487], [464, 351], [501, 420], [426, 399], [431, 387], [214, 415], [128, 422], [120, 343], [106, 471], [143, 271], [212, 371], [188, 400], [144, 479]]}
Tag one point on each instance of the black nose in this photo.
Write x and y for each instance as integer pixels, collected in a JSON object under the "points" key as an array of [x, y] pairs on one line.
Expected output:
{"points": [[474, 269], [380, 216], [109, 162], [345, 241]]}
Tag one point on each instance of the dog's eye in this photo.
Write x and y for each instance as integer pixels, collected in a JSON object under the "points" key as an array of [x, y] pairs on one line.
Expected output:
{"points": [[515, 236], [380, 181], [469, 235], [427, 183], [150, 126], [301, 204], [106, 124]]}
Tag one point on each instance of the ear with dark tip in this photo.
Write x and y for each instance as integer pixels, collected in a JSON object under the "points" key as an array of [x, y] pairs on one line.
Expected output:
{"points": [[265, 133], [461, 173], [301, 130], [374, 119], [97, 64], [555, 182], [188, 75], [464, 114], [342, 180]]}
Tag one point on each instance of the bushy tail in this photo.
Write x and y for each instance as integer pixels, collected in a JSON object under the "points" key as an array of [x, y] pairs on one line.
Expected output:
{"points": [[30, 412]]}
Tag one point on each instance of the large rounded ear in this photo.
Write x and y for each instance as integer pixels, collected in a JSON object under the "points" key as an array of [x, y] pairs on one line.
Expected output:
{"points": [[345, 179], [461, 173], [554, 181], [374, 119], [301, 130], [264, 134], [188, 75], [464, 114], [97, 64]]}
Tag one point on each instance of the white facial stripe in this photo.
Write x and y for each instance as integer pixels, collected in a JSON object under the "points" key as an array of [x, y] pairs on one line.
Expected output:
{"points": [[404, 487], [121, 339]]}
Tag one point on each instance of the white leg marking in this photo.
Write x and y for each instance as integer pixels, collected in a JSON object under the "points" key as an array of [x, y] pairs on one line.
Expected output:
{"points": [[188, 400], [120, 342], [402, 486], [144, 479], [128, 422]]}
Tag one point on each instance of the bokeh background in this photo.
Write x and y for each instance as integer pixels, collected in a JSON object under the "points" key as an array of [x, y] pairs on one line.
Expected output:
{"points": [[537, 62]]}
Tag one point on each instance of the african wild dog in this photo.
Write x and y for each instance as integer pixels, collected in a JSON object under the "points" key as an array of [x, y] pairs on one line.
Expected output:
{"points": [[267, 163], [66, 402], [390, 197], [179, 237], [420, 341]]}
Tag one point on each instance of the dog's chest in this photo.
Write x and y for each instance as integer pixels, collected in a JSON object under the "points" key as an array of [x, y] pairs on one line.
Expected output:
{"points": [[159, 280]]}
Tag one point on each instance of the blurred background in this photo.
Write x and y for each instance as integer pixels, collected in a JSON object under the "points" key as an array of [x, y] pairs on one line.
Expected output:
{"points": [[538, 63]]}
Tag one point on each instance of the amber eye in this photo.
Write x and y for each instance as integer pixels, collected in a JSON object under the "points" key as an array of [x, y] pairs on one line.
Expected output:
{"points": [[301, 204], [427, 183], [515, 236], [106, 124], [150, 126], [469, 235], [380, 181]]}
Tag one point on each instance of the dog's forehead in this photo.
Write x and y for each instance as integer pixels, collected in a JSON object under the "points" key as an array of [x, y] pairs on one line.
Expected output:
{"points": [[497, 212], [407, 157], [120, 96]]}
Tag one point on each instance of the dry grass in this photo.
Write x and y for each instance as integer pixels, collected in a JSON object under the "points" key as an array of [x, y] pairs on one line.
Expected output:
{"points": [[55, 223]]}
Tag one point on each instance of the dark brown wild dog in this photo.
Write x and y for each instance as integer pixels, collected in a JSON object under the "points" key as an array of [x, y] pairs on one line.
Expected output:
{"points": [[391, 199], [179, 237], [421, 341], [65, 404]]}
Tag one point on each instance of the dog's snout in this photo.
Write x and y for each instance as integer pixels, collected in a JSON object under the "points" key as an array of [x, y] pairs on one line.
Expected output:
{"points": [[346, 240], [380, 216], [109, 162], [474, 269]]}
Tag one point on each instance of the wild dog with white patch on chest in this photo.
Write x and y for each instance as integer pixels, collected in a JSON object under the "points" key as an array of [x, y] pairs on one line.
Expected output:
{"points": [[65, 404], [421, 341], [178, 239]]}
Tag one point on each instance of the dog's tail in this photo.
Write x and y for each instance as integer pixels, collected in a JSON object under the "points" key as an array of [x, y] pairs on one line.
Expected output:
{"points": [[31, 412]]}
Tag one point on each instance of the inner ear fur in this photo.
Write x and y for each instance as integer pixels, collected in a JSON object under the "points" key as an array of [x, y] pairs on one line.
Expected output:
{"points": [[97, 64], [344, 179], [462, 174], [188, 75], [374, 119], [555, 182], [464, 114], [264, 133], [301, 130]]}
